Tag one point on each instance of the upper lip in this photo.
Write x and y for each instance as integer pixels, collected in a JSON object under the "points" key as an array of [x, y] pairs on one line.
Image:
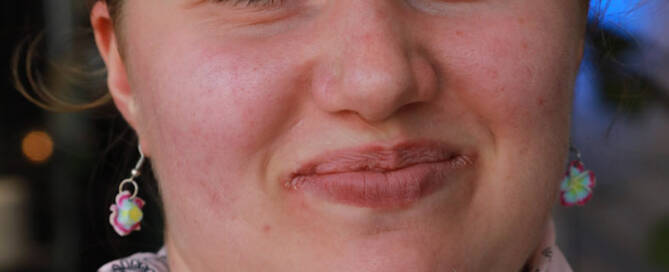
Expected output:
{"points": [[377, 158]]}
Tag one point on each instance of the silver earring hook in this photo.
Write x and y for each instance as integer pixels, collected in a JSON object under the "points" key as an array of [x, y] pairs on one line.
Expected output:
{"points": [[134, 173], [575, 151]]}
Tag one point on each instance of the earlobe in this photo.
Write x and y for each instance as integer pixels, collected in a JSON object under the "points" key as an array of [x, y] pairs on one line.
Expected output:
{"points": [[117, 77]]}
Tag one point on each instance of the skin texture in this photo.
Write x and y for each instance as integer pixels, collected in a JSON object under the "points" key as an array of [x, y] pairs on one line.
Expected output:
{"points": [[226, 98]]}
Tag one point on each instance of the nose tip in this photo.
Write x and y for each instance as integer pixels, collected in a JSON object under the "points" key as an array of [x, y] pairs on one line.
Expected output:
{"points": [[377, 91], [375, 71]]}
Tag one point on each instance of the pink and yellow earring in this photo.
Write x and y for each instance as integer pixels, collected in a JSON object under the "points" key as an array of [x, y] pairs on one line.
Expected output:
{"points": [[576, 187], [126, 213]]}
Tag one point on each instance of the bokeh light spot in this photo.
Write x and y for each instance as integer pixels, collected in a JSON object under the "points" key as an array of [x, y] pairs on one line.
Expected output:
{"points": [[37, 146]]}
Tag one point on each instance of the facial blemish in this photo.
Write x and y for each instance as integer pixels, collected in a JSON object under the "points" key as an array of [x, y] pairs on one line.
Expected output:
{"points": [[493, 74]]}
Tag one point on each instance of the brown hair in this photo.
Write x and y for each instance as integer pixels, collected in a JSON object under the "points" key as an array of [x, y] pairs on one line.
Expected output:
{"points": [[31, 83]]}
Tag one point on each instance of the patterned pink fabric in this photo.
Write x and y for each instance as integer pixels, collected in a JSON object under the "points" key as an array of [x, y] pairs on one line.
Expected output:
{"points": [[547, 258], [139, 262]]}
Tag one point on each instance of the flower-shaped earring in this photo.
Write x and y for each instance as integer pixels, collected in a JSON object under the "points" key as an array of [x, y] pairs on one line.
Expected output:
{"points": [[126, 214], [576, 187]]}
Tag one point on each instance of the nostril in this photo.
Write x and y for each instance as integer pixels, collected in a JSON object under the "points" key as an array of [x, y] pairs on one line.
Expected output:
{"points": [[411, 107]]}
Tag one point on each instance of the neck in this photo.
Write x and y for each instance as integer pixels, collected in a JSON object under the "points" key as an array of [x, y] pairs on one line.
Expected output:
{"points": [[175, 259]]}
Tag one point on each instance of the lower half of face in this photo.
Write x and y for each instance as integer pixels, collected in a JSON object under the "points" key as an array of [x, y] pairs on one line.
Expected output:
{"points": [[355, 135]]}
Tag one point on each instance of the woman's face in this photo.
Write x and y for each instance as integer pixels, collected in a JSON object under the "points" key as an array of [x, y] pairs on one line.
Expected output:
{"points": [[347, 135]]}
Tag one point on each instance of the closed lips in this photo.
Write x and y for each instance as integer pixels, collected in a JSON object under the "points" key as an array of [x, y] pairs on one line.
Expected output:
{"points": [[378, 176]]}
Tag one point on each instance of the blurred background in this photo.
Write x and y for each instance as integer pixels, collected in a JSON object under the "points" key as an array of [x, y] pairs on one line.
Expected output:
{"points": [[59, 170]]}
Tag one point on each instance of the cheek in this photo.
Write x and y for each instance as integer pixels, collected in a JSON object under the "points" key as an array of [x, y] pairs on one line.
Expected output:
{"points": [[224, 99], [524, 81], [516, 78], [214, 107], [522, 88], [515, 75]]}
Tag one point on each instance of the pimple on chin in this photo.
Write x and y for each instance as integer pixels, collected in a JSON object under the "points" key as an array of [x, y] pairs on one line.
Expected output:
{"points": [[266, 228]]}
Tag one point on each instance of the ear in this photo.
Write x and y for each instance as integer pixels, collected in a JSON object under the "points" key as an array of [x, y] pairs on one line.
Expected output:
{"points": [[117, 77]]}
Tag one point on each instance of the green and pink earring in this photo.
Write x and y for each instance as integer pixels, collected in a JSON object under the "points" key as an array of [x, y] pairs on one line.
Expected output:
{"points": [[578, 183], [126, 213]]}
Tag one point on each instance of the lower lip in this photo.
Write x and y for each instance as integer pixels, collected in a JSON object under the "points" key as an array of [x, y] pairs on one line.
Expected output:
{"points": [[391, 189]]}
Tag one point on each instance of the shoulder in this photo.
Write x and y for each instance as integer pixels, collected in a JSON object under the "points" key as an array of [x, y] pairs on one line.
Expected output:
{"points": [[139, 262]]}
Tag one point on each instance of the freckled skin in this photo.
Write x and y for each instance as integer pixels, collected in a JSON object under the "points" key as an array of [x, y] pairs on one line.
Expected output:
{"points": [[226, 100]]}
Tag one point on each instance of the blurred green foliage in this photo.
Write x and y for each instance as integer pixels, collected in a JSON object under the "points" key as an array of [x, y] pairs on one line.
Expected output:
{"points": [[659, 244]]}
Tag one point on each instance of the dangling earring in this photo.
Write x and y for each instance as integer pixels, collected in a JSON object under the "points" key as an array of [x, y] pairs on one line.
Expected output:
{"points": [[126, 214], [576, 187]]}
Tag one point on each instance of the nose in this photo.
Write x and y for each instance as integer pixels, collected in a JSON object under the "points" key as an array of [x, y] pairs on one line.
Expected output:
{"points": [[371, 67]]}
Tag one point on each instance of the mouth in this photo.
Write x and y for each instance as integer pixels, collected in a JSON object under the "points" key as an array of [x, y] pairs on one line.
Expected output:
{"points": [[376, 176]]}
